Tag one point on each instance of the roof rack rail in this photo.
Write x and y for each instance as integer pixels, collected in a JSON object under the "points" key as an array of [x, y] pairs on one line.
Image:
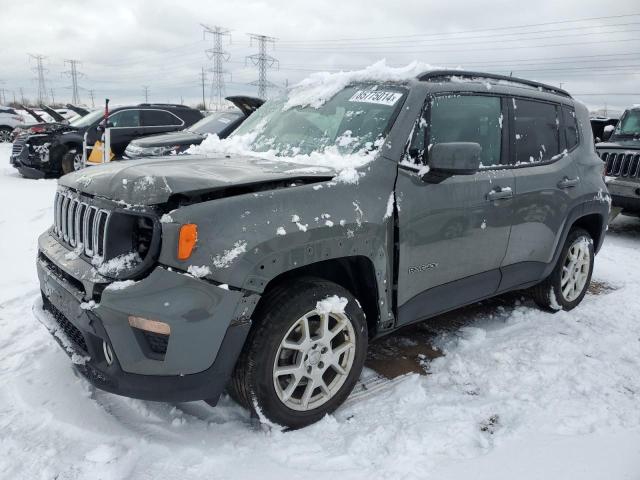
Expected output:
{"points": [[439, 74], [177, 105]]}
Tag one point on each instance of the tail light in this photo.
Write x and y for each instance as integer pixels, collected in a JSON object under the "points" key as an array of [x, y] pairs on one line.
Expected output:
{"points": [[37, 129]]}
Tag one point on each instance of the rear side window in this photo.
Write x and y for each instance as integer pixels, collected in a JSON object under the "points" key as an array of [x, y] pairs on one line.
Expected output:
{"points": [[159, 118], [570, 127], [536, 131], [468, 118], [125, 118]]}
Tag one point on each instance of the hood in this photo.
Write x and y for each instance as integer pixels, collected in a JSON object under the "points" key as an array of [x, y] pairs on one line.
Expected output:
{"points": [[169, 139], [620, 143], [152, 181], [247, 105]]}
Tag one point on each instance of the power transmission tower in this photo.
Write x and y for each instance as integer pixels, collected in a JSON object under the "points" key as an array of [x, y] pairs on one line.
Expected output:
{"points": [[263, 62], [203, 79], [74, 74], [93, 103], [42, 87], [146, 93], [219, 56]]}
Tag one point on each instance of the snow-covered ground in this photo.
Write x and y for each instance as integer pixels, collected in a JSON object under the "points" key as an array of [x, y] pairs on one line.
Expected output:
{"points": [[519, 394]]}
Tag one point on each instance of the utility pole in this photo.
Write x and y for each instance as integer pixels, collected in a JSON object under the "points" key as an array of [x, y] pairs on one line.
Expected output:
{"points": [[146, 93], [22, 96], [42, 88], [93, 104], [53, 99], [219, 56], [262, 61], [74, 74], [203, 79]]}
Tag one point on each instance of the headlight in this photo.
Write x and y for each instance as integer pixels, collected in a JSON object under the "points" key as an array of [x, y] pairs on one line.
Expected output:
{"points": [[161, 150]]}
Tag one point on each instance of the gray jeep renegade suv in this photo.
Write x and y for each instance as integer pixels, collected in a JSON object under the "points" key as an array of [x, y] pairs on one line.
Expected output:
{"points": [[173, 279]]}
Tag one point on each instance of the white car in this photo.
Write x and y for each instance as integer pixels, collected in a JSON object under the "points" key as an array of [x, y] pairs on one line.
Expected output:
{"points": [[9, 119]]}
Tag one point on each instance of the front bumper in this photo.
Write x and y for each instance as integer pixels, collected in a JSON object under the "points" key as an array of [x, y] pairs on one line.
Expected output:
{"points": [[624, 194], [208, 329], [28, 164]]}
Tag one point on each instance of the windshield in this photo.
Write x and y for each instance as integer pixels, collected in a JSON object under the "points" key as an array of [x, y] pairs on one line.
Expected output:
{"points": [[629, 124], [355, 119], [214, 123], [87, 119]]}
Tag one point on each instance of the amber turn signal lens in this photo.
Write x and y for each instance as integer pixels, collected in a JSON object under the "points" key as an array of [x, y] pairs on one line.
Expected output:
{"points": [[152, 326], [187, 240]]}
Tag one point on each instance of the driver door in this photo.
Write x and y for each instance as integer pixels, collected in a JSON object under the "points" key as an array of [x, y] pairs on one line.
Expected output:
{"points": [[453, 230]]}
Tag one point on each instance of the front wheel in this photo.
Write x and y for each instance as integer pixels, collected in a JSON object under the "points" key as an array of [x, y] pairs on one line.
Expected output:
{"points": [[72, 161], [567, 285], [304, 354], [5, 135]]}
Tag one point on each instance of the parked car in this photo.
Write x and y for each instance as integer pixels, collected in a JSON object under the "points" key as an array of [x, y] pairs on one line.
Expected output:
{"points": [[621, 153], [599, 124], [36, 122], [218, 123], [9, 119], [172, 279], [56, 148]]}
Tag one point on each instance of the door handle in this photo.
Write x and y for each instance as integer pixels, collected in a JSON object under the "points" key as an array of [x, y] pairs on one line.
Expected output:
{"points": [[567, 182], [500, 193]]}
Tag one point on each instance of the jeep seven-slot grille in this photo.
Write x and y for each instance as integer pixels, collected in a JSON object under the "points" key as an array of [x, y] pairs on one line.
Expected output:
{"points": [[621, 164], [79, 224]]}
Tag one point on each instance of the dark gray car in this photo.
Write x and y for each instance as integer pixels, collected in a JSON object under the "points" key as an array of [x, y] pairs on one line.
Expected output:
{"points": [[173, 279]]}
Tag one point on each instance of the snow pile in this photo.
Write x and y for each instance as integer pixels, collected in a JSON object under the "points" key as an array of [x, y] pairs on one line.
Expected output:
{"points": [[319, 87], [224, 260], [116, 265], [199, 271], [333, 304]]}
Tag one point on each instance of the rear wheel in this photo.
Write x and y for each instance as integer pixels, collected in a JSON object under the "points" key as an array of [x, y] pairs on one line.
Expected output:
{"points": [[72, 161], [5, 134], [567, 285], [304, 354]]}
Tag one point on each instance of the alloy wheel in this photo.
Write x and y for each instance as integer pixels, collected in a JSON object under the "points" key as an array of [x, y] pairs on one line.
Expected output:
{"points": [[314, 360], [575, 270]]}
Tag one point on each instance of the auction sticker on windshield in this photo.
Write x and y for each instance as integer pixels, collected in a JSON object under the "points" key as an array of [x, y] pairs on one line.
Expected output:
{"points": [[376, 96]]}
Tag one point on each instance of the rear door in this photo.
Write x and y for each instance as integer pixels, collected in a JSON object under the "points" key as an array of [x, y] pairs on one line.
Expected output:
{"points": [[126, 125], [160, 121], [543, 137], [453, 231]]}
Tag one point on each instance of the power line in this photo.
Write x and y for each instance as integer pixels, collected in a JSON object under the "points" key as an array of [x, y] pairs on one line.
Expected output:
{"points": [[459, 32], [39, 69], [73, 73], [263, 61], [219, 56]]}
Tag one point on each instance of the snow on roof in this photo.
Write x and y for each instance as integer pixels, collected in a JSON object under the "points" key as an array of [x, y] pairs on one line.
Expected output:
{"points": [[319, 87]]}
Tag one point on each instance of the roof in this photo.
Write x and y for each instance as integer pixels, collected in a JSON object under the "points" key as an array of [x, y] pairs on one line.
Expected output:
{"points": [[465, 75]]}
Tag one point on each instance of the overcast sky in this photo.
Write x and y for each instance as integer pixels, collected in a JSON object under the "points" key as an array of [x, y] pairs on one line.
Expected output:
{"points": [[124, 45]]}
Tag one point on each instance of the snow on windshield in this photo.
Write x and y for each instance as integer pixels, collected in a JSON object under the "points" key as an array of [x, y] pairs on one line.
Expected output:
{"points": [[331, 121]]}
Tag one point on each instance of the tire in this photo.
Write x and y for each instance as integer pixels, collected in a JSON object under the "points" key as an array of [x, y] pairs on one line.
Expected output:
{"points": [[71, 161], [280, 318], [555, 293], [5, 134]]}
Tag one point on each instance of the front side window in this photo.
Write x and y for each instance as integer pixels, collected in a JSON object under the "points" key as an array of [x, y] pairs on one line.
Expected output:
{"points": [[355, 119], [125, 118], [468, 118], [536, 128]]}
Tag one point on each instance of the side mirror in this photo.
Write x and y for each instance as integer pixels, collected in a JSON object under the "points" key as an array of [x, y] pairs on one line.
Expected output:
{"points": [[101, 126], [606, 133], [455, 158]]}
